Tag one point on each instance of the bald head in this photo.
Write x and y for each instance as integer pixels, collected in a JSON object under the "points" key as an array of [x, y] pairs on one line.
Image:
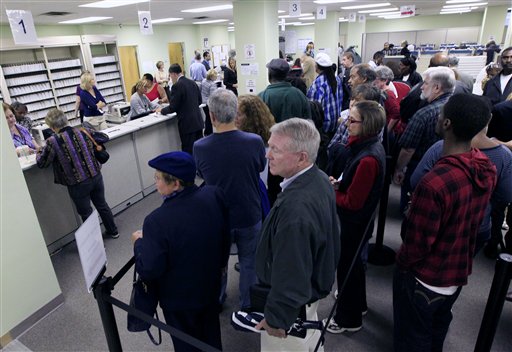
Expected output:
{"points": [[439, 59]]}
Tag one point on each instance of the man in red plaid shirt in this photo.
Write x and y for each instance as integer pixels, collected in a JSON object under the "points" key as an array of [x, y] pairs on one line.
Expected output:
{"points": [[447, 208]]}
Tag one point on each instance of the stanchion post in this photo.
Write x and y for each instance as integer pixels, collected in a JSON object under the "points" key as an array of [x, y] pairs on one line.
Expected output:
{"points": [[108, 318], [494, 306], [378, 253]]}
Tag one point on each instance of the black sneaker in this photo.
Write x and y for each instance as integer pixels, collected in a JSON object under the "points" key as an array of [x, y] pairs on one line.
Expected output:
{"points": [[111, 235]]}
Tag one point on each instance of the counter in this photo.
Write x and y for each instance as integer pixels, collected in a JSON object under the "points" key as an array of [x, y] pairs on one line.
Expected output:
{"points": [[126, 175]]}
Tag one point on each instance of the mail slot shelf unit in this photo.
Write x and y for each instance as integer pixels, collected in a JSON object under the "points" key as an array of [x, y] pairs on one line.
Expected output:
{"points": [[66, 77], [40, 81], [108, 75], [29, 83], [46, 75]]}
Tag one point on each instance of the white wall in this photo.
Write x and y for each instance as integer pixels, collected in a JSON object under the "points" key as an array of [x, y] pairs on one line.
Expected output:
{"points": [[27, 278]]}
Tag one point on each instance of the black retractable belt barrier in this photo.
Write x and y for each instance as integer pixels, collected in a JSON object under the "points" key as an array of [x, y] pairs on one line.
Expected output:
{"points": [[102, 292], [342, 287], [378, 253], [494, 306]]}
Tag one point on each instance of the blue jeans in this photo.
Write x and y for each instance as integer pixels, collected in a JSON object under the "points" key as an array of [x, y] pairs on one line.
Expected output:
{"points": [[246, 240], [421, 317]]}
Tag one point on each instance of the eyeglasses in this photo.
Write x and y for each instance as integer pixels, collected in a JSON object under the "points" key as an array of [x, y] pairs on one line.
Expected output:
{"points": [[351, 121]]}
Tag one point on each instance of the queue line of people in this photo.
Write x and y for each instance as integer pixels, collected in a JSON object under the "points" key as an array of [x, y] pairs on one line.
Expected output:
{"points": [[292, 151]]}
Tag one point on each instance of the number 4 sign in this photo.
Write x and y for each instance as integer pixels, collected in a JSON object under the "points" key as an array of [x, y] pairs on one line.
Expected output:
{"points": [[321, 13], [22, 26], [146, 26]]}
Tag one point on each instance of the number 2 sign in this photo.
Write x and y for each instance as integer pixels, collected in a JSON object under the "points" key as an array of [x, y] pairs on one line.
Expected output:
{"points": [[146, 26], [22, 26]]}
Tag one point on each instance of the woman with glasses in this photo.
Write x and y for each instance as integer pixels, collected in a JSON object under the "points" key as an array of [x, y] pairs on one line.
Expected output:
{"points": [[358, 192]]}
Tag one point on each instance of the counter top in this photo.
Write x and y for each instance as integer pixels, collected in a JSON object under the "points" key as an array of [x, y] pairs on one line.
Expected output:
{"points": [[113, 133]]}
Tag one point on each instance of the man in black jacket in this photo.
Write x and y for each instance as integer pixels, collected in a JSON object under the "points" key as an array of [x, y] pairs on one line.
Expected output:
{"points": [[500, 87], [184, 101]]}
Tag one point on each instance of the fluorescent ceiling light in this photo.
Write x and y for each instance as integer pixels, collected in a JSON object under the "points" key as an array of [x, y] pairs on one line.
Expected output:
{"points": [[86, 20], [307, 18], [460, 1], [210, 21], [301, 15], [232, 23], [164, 20], [304, 24], [369, 6], [322, 2], [393, 17], [379, 10], [107, 4], [453, 12], [231, 30], [386, 13], [283, 11], [292, 23], [231, 27], [209, 9], [343, 20], [457, 9], [464, 5]]}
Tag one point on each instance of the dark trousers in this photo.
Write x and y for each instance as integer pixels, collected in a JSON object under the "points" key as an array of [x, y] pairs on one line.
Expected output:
{"points": [[202, 324], [352, 298], [188, 139], [421, 317], [93, 190], [406, 189], [208, 128]]}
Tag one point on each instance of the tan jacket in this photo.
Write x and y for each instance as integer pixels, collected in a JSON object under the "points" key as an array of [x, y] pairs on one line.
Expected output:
{"points": [[309, 72]]}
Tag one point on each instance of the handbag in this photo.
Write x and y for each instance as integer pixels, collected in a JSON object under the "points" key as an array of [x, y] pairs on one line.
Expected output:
{"points": [[100, 152], [143, 298]]}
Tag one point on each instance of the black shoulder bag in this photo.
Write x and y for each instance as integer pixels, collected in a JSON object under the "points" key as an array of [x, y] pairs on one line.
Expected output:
{"points": [[100, 152], [143, 298]]}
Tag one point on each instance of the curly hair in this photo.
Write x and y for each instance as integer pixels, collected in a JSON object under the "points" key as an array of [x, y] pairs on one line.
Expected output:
{"points": [[257, 117]]}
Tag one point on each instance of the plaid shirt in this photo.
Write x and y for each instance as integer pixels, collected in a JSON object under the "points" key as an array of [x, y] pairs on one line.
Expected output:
{"points": [[447, 208], [420, 132], [321, 91]]}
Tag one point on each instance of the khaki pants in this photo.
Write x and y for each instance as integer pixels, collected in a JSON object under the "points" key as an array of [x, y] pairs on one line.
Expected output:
{"points": [[291, 343]]}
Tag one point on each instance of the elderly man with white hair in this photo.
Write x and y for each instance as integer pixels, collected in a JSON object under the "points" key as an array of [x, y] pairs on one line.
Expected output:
{"points": [[419, 135], [300, 240]]}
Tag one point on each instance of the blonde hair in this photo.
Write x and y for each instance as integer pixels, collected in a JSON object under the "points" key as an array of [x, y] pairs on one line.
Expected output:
{"points": [[211, 74], [85, 81], [141, 83]]}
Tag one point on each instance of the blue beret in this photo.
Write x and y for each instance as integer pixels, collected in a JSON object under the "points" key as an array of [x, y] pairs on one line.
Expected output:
{"points": [[177, 164]]}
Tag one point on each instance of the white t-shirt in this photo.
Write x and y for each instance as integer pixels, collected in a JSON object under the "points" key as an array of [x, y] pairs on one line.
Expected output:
{"points": [[504, 81]]}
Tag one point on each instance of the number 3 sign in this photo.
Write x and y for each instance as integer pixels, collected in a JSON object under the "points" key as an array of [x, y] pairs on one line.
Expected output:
{"points": [[146, 26], [22, 26]]}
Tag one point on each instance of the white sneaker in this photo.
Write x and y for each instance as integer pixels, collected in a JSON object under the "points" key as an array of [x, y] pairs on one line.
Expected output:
{"points": [[334, 328], [504, 226]]}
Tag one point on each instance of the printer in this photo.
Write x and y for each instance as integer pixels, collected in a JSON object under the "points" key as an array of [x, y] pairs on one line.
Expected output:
{"points": [[116, 113]]}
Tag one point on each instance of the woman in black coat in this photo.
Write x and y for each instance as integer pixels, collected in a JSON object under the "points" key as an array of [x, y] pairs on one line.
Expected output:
{"points": [[230, 76], [358, 190]]}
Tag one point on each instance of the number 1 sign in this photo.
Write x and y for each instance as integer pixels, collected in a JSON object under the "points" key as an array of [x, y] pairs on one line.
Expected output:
{"points": [[22, 26]]}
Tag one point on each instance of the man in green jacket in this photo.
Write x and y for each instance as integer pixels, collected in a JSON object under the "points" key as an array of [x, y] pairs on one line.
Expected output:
{"points": [[283, 100]]}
